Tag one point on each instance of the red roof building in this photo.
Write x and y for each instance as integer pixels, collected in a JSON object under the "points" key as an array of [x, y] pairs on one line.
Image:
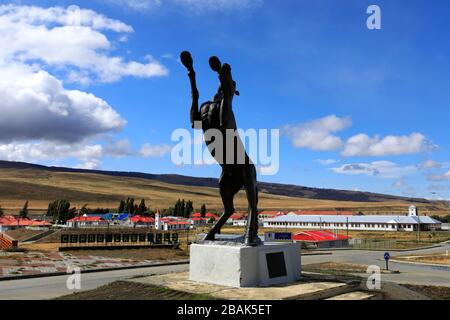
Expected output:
{"points": [[11, 222], [86, 221], [237, 217], [321, 239], [142, 220]]}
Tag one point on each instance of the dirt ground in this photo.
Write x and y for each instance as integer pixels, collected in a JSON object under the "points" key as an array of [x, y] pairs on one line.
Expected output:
{"points": [[435, 293], [122, 290], [443, 259], [137, 254], [23, 234], [51, 247], [335, 268]]}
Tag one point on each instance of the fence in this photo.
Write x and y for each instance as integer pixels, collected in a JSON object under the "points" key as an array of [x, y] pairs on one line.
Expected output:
{"points": [[373, 244], [6, 242], [117, 240], [390, 244]]}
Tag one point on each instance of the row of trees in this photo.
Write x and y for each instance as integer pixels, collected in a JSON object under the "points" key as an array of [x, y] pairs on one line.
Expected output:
{"points": [[128, 206], [61, 210], [183, 208]]}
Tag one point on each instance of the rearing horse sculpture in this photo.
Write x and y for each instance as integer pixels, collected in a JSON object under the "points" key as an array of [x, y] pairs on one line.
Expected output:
{"points": [[237, 170]]}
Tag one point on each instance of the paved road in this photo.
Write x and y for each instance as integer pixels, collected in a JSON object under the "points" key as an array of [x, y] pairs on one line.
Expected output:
{"points": [[53, 287], [411, 274]]}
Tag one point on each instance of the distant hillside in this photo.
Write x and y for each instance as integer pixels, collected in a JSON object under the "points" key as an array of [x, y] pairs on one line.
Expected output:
{"points": [[269, 188]]}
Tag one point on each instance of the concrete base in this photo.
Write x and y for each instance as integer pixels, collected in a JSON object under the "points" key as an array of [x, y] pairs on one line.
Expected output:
{"points": [[236, 265], [306, 290]]}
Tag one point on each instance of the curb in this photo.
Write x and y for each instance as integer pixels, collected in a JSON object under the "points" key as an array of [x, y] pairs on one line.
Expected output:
{"points": [[384, 250], [317, 254], [442, 266], [57, 274]]}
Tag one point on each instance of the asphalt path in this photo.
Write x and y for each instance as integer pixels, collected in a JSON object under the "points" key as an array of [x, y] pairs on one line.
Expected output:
{"points": [[53, 287], [409, 273]]}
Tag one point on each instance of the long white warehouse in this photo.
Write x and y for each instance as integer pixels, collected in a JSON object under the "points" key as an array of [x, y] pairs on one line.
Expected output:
{"points": [[366, 223]]}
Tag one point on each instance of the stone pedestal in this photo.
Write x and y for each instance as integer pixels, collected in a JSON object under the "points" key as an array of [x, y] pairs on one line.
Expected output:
{"points": [[236, 265]]}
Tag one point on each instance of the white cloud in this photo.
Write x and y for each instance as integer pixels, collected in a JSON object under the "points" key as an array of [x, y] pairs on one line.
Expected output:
{"points": [[192, 5], [429, 164], [35, 105], [382, 169], [363, 145], [40, 119], [69, 40], [318, 134], [440, 177], [120, 148], [35, 152], [137, 4], [326, 162], [32, 15], [149, 150], [89, 165], [90, 155]]}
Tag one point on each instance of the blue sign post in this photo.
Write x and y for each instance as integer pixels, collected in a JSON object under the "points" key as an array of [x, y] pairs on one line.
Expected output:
{"points": [[387, 257]]}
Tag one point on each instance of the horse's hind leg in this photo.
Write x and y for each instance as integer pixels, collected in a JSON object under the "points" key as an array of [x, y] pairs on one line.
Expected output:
{"points": [[229, 186], [251, 188]]}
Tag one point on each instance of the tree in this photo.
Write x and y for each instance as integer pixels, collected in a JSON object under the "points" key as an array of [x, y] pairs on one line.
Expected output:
{"points": [[203, 211], [60, 211], [84, 210], [2, 212], [188, 209], [177, 209], [142, 207], [128, 206], [121, 208], [24, 212]]}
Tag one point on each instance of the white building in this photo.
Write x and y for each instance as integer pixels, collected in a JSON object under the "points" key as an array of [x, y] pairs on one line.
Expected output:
{"points": [[359, 223], [171, 223], [413, 211]]}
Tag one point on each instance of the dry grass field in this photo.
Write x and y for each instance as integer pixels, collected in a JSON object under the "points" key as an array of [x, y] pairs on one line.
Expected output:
{"points": [[40, 187], [441, 259]]}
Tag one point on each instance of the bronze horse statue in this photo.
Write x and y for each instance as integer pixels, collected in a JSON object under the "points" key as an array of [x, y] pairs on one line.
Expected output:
{"points": [[236, 173]]}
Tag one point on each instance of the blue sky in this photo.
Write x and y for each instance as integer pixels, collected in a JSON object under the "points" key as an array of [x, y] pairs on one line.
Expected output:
{"points": [[358, 109]]}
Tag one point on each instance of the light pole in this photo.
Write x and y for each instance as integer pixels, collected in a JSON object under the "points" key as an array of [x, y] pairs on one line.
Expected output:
{"points": [[347, 227]]}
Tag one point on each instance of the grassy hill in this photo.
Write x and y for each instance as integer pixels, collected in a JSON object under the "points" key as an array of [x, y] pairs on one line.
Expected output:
{"points": [[40, 185]]}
